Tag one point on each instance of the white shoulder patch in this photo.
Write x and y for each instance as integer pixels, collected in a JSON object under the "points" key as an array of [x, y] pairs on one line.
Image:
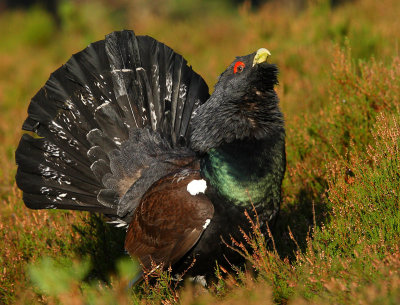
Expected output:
{"points": [[206, 223], [196, 186]]}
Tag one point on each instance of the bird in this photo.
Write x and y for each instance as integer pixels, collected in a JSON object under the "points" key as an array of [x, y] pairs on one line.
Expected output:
{"points": [[126, 128]]}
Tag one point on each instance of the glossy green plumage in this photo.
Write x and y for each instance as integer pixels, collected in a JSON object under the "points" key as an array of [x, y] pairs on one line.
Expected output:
{"points": [[245, 172]]}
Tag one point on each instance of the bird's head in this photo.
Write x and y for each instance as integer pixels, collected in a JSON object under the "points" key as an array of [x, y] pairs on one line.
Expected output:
{"points": [[244, 104], [247, 74]]}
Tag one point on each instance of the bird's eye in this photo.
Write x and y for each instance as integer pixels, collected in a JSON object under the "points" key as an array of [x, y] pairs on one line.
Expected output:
{"points": [[239, 66]]}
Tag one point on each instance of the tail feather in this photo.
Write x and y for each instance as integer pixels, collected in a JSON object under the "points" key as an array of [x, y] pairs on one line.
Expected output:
{"points": [[97, 138], [59, 201], [191, 103], [56, 178], [94, 104], [47, 187], [176, 103], [40, 156], [122, 51]]}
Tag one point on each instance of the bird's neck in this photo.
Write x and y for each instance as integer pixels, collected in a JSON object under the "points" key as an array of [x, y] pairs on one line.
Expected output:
{"points": [[247, 171]]}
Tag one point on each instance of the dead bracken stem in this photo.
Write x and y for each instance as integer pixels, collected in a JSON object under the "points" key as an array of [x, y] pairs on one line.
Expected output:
{"points": [[259, 256], [314, 218], [256, 228], [235, 243], [272, 238], [254, 210], [294, 239], [184, 272], [147, 274]]}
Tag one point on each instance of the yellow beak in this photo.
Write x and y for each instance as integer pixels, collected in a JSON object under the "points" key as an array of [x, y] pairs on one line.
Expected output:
{"points": [[261, 56]]}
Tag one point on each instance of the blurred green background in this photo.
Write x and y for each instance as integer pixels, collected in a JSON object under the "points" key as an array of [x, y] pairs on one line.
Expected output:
{"points": [[339, 74]]}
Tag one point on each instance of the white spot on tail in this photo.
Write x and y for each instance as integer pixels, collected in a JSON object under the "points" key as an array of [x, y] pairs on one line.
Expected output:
{"points": [[206, 223], [196, 186], [101, 106], [119, 223], [153, 116], [121, 70], [117, 141]]}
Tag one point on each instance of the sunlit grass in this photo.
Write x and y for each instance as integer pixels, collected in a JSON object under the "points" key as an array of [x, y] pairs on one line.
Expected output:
{"points": [[337, 238]]}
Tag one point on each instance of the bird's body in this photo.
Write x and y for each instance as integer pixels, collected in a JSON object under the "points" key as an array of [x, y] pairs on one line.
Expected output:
{"points": [[127, 129]]}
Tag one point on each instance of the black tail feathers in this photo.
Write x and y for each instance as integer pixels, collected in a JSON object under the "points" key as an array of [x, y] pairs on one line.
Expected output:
{"points": [[92, 105]]}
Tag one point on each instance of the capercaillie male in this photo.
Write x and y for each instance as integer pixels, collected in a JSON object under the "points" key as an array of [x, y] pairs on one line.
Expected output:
{"points": [[126, 128]]}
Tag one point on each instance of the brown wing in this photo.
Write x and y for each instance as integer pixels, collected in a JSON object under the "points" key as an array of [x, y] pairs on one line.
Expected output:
{"points": [[169, 220]]}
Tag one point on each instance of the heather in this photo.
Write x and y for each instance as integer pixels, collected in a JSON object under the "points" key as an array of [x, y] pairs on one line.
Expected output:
{"points": [[337, 237]]}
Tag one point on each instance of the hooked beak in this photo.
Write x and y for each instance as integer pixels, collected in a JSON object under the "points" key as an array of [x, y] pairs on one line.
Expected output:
{"points": [[261, 56]]}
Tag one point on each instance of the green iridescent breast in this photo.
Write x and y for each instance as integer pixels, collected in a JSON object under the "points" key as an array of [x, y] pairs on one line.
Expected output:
{"points": [[245, 172]]}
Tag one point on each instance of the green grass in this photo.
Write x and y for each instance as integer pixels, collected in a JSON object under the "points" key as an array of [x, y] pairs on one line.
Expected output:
{"points": [[337, 239]]}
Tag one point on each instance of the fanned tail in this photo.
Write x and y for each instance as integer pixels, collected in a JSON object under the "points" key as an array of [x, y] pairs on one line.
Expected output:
{"points": [[86, 123]]}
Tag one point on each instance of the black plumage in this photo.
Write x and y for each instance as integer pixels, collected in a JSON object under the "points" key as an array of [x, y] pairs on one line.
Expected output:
{"points": [[128, 129]]}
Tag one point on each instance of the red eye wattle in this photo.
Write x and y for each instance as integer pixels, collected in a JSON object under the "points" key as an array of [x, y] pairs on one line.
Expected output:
{"points": [[239, 66]]}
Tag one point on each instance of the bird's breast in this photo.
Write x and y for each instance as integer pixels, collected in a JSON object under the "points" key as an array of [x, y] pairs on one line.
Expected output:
{"points": [[245, 172]]}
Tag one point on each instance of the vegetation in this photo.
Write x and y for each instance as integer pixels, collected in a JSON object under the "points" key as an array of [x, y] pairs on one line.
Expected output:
{"points": [[337, 239]]}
